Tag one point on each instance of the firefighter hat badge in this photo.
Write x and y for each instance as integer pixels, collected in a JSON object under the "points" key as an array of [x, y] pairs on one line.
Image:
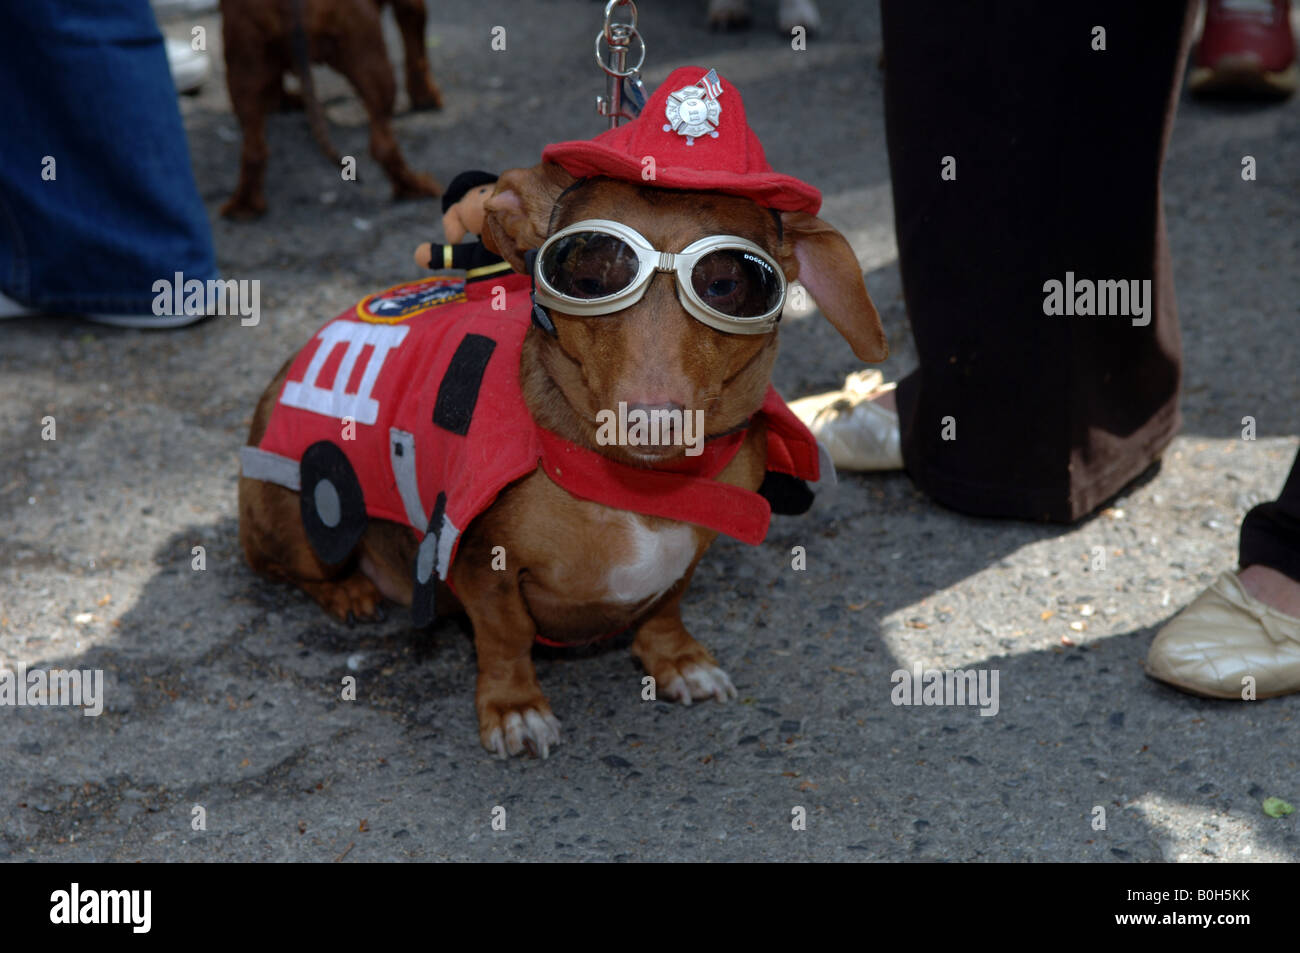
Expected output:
{"points": [[693, 111], [697, 143]]}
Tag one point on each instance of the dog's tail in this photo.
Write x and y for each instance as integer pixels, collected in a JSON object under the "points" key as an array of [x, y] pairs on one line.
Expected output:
{"points": [[302, 66]]}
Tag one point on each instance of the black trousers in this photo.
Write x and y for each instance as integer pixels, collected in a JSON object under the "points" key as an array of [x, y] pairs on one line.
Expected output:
{"points": [[1270, 533], [1055, 149]]}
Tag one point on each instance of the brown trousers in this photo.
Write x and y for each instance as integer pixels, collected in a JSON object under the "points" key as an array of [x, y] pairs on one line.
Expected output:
{"points": [[1057, 149]]}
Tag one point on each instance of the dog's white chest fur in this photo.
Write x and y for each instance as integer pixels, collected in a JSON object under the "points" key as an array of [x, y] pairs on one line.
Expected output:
{"points": [[656, 558]]}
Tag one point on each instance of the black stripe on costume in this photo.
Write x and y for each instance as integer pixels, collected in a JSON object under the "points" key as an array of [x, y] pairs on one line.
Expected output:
{"points": [[424, 608], [458, 392]]}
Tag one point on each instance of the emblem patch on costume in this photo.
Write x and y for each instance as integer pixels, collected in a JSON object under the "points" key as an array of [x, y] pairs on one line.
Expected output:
{"points": [[693, 111], [404, 301]]}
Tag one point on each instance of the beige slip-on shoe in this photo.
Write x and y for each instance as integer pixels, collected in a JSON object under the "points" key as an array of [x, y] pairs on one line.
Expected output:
{"points": [[1223, 636], [859, 433]]}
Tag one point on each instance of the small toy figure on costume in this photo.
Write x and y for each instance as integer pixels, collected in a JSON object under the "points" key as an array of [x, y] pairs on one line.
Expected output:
{"points": [[462, 214]]}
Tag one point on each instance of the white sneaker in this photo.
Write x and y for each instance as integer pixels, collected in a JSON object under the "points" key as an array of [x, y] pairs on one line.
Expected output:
{"points": [[189, 66], [175, 7], [858, 432], [146, 321], [9, 308]]}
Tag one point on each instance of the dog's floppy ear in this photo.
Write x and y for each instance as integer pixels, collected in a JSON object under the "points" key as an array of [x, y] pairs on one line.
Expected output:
{"points": [[519, 212], [825, 264]]}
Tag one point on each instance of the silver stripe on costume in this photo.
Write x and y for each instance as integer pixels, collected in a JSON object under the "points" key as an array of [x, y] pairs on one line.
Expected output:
{"points": [[408, 485], [446, 540], [257, 464]]}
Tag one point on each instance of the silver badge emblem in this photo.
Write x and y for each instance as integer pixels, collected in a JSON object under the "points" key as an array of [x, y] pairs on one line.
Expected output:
{"points": [[693, 111]]}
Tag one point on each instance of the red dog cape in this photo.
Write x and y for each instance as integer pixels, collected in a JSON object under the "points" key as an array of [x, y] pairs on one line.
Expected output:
{"points": [[408, 408]]}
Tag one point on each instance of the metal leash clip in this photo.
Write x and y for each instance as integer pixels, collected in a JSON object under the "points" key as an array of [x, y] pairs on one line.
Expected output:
{"points": [[625, 94]]}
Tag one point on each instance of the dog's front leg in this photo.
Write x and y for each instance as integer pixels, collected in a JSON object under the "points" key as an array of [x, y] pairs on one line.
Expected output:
{"points": [[683, 669], [513, 714], [251, 79], [420, 87]]}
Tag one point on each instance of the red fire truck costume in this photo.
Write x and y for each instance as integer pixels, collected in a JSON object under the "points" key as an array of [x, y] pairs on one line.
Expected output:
{"points": [[408, 408]]}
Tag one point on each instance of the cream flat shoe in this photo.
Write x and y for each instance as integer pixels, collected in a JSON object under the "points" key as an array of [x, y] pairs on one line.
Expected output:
{"points": [[859, 433], [1225, 635]]}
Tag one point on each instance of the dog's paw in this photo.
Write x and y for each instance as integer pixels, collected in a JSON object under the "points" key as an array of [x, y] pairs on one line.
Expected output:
{"points": [[728, 14], [291, 101], [350, 600], [513, 731], [241, 208], [415, 185], [683, 669], [426, 99], [699, 680]]}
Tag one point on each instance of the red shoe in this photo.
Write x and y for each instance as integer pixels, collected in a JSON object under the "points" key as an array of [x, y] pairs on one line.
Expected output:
{"points": [[1246, 46]]}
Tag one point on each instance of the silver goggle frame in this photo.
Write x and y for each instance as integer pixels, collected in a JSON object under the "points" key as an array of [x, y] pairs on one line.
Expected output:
{"points": [[651, 261]]}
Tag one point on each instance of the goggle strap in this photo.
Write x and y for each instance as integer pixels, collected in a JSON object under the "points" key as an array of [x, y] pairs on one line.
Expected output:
{"points": [[541, 319]]}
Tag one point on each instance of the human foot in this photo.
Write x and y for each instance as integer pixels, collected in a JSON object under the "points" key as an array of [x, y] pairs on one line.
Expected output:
{"points": [[1239, 639], [1276, 590]]}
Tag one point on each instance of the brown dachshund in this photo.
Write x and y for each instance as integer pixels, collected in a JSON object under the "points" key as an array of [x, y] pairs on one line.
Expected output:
{"points": [[264, 39], [579, 568]]}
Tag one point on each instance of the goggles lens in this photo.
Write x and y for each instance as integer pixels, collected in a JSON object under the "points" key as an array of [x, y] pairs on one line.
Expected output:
{"points": [[736, 283], [589, 265]]}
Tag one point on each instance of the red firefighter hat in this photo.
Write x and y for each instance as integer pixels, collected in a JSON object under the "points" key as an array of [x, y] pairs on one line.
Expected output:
{"points": [[694, 128]]}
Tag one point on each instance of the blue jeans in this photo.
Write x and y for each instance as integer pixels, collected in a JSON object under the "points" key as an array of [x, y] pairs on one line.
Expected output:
{"points": [[97, 198]]}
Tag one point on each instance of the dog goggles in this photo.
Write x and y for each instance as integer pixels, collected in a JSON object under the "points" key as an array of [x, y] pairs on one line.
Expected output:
{"points": [[598, 267]]}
